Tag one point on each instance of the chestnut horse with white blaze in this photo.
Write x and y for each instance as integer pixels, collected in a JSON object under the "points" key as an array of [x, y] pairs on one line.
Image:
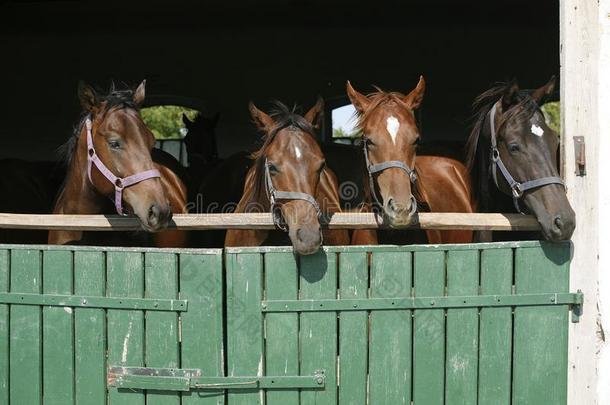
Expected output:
{"points": [[396, 180], [290, 179], [111, 170]]}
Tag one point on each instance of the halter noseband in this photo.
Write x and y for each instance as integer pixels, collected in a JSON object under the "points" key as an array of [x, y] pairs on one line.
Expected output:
{"points": [[379, 167], [275, 195], [517, 188], [119, 183]]}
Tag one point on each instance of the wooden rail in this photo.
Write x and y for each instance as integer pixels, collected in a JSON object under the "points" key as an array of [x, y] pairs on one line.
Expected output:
{"points": [[437, 221]]}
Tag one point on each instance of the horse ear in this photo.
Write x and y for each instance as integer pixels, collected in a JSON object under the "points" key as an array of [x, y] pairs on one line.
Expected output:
{"points": [[262, 120], [86, 96], [511, 95], [186, 121], [541, 93], [139, 94], [315, 114], [360, 101], [416, 96]]}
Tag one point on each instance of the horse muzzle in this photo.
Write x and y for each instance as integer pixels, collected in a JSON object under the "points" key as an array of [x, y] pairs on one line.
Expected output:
{"points": [[399, 215]]}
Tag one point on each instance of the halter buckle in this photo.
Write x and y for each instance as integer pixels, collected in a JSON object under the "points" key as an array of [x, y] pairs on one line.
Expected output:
{"points": [[495, 154], [516, 189], [413, 176]]}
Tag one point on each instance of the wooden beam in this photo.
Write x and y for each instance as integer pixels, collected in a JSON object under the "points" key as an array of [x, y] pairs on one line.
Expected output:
{"points": [[437, 221]]}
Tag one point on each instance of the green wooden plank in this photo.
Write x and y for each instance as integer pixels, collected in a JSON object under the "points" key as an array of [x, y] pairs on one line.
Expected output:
{"points": [[353, 330], [90, 330], [201, 283], [57, 332], [495, 329], [461, 367], [318, 331], [245, 323], [282, 343], [429, 331], [540, 353], [25, 330], [125, 278], [161, 278], [391, 331], [4, 330]]}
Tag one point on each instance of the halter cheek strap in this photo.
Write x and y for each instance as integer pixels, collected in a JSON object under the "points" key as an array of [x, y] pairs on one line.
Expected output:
{"points": [[119, 183], [379, 167], [517, 188], [275, 196]]}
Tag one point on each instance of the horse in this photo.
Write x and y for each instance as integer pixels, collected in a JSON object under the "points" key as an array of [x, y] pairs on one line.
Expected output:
{"points": [[201, 148], [289, 178], [396, 182], [110, 169], [512, 155]]}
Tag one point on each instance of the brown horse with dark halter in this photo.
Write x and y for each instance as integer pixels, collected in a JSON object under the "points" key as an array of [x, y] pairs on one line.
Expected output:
{"points": [[396, 182], [512, 156], [111, 171], [290, 179]]}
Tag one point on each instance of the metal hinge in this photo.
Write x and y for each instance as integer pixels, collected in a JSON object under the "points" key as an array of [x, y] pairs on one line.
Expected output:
{"points": [[174, 379], [574, 300], [580, 161], [80, 301]]}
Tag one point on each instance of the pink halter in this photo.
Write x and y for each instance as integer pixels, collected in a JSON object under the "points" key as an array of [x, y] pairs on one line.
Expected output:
{"points": [[118, 182]]}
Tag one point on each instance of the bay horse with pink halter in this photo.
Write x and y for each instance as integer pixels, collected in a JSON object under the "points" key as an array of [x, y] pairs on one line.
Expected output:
{"points": [[111, 170], [396, 180], [289, 178]]}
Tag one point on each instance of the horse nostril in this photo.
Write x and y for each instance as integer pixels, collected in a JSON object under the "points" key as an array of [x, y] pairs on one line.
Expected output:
{"points": [[153, 212], [391, 204], [558, 222]]}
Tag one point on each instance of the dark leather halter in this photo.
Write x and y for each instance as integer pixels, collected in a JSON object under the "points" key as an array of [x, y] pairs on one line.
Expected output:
{"points": [[517, 188], [119, 183], [275, 196], [379, 167]]}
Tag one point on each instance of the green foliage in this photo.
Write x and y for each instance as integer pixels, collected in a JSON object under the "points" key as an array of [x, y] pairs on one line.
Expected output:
{"points": [[552, 114], [165, 121], [341, 133]]}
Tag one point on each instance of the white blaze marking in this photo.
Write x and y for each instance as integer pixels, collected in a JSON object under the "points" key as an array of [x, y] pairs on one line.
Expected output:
{"points": [[297, 152], [536, 130], [392, 128]]}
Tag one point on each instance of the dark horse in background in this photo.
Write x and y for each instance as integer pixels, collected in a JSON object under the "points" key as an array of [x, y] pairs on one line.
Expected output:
{"points": [[513, 160], [111, 170], [201, 149], [398, 181], [290, 178]]}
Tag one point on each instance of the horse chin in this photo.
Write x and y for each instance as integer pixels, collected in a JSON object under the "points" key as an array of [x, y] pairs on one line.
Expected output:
{"points": [[399, 221]]}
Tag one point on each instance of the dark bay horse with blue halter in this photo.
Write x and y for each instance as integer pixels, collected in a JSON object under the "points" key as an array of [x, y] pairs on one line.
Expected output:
{"points": [[396, 180], [111, 171], [513, 160], [289, 178]]}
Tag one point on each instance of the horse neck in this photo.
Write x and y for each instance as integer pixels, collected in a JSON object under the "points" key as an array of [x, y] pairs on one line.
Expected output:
{"points": [[255, 191], [78, 195]]}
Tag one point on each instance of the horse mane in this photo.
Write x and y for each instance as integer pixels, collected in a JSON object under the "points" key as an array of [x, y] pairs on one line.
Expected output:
{"points": [[525, 107], [115, 98], [379, 98], [284, 117]]}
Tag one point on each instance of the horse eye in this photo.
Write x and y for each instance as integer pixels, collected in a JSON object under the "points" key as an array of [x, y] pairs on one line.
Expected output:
{"points": [[417, 141], [322, 166], [273, 168], [514, 148], [114, 144]]}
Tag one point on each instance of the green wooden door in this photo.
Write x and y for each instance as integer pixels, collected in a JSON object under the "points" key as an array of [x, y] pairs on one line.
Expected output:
{"points": [[454, 324]]}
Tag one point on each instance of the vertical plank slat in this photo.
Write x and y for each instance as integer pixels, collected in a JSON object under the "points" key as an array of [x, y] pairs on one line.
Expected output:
{"points": [[461, 367], [390, 345], [4, 328], [245, 323], [161, 281], [281, 329], [57, 332], [201, 284], [25, 330], [89, 329], [318, 331], [125, 278], [495, 329], [541, 333], [429, 331], [353, 329]]}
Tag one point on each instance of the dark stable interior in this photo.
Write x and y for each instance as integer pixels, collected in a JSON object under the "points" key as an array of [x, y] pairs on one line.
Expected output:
{"points": [[228, 53]]}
